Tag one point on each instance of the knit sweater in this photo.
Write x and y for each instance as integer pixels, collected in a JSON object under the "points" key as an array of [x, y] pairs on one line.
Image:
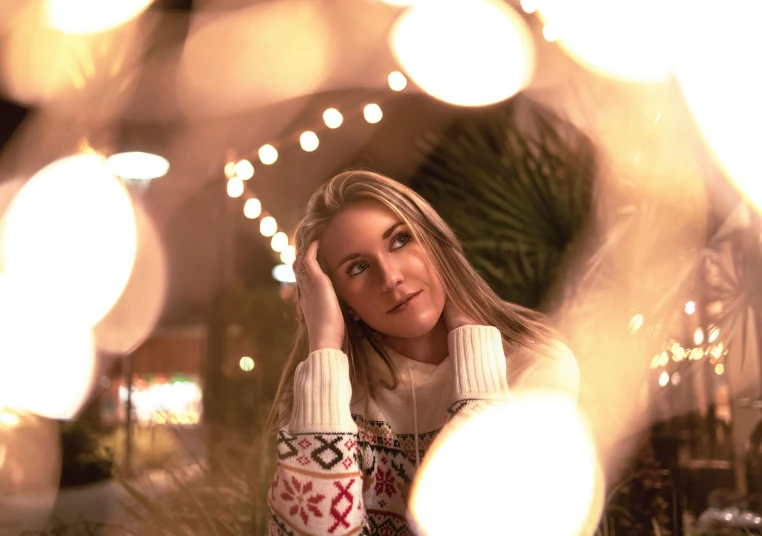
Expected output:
{"points": [[346, 461]]}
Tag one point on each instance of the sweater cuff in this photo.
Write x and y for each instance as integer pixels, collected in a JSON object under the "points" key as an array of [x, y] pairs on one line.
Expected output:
{"points": [[322, 392], [480, 370]]}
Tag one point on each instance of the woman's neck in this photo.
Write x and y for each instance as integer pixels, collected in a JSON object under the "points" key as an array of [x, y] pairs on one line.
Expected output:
{"points": [[430, 348]]}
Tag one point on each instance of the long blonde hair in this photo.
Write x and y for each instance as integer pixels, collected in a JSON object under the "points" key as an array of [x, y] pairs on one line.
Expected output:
{"points": [[520, 327]]}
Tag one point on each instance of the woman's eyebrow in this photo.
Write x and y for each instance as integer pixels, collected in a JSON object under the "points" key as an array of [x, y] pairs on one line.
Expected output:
{"points": [[386, 235]]}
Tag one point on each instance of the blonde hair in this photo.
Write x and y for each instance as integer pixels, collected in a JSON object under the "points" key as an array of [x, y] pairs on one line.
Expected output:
{"points": [[519, 326]]}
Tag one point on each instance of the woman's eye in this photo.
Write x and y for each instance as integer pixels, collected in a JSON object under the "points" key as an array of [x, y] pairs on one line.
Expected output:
{"points": [[357, 268], [400, 240]]}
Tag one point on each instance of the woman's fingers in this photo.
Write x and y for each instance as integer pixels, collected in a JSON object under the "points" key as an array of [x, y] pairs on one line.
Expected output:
{"points": [[310, 259]]}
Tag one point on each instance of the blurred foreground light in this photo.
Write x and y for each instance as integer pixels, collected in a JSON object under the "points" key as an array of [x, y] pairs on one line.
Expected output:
{"points": [[714, 333], [246, 363], [664, 378], [284, 273], [268, 226], [268, 154], [309, 141], [465, 52], [91, 16], [235, 187], [288, 255], [279, 241], [47, 364], [722, 86], [547, 464], [244, 169], [135, 314], [252, 208], [607, 36], [529, 6], [137, 165], [698, 336], [333, 118], [69, 240], [372, 113], [276, 50], [636, 322], [719, 368], [397, 81], [690, 307], [8, 419]]}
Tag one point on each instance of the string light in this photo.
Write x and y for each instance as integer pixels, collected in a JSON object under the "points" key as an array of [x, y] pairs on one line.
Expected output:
{"points": [[279, 241], [690, 307], [268, 226], [268, 154], [252, 208], [235, 187], [309, 141], [244, 169], [372, 113], [529, 6], [288, 255], [332, 118], [549, 33], [230, 169], [397, 81]]}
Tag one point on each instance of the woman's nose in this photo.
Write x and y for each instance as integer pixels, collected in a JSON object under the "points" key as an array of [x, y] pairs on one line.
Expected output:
{"points": [[391, 275]]}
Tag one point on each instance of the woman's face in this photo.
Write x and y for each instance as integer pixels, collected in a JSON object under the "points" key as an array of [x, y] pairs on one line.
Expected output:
{"points": [[381, 272]]}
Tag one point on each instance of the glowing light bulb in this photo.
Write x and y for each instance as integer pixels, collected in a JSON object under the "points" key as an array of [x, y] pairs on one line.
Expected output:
{"points": [[268, 154], [246, 363], [235, 187], [230, 169], [268, 226], [333, 118], [719, 369], [397, 81], [690, 308], [279, 241], [309, 141], [550, 33], [636, 322], [244, 169], [372, 113], [288, 255], [698, 336], [252, 208]]}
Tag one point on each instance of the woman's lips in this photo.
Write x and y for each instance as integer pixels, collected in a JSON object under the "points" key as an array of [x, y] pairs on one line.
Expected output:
{"points": [[404, 305]]}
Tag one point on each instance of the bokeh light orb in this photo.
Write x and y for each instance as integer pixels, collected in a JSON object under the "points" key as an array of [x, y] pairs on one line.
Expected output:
{"points": [[235, 187], [309, 141], [244, 169], [268, 154], [397, 81], [91, 16], [372, 113], [252, 208], [288, 255], [607, 37], [268, 226], [279, 241], [69, 237], [465, 52], [47, 363], [545, 482], [722, 86], [246, 363], [333, 118]]}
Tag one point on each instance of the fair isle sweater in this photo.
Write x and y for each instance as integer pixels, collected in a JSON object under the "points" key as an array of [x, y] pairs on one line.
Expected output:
{"points": [[345, 464]]}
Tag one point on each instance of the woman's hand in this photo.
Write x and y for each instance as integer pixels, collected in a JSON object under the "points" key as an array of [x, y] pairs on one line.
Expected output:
{"points": [[454, 317], [318, 302]]}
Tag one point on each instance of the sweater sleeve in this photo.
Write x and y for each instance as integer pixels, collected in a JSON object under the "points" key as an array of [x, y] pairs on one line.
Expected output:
{"points": [[480, 369], [317, 485]]}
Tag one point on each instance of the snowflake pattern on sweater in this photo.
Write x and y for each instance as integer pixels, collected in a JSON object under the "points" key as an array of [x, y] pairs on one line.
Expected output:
{"points": [[342, 473]]}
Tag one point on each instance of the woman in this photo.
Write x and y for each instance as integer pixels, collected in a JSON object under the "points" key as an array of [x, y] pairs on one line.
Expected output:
{"points": [[399, 334]]}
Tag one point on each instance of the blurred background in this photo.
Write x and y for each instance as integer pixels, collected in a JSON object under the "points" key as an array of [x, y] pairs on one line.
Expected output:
{"points": [[598, 160]]}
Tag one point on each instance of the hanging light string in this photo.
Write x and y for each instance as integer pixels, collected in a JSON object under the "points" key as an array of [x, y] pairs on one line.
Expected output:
{"points": [[239, 170]]}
